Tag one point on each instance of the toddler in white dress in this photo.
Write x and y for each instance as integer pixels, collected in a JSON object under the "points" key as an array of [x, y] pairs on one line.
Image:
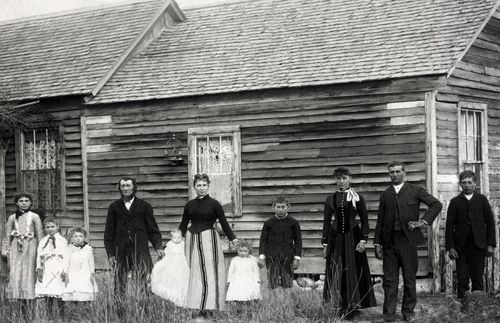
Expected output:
{"points": [[81, 286], [170, 275], [243, 277]]}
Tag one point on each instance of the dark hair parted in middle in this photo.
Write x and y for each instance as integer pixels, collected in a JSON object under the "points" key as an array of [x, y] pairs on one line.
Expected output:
{"points": [[201, 177], [127, 178], [22, 194], [341, 171]]}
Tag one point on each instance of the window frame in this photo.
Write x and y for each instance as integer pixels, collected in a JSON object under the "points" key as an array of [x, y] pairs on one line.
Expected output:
{"points": [[20, 182], [228, 131], [483, 109]]}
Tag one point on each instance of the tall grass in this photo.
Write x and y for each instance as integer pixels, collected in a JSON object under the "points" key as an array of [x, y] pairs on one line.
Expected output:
{"points": [[140, 305]]}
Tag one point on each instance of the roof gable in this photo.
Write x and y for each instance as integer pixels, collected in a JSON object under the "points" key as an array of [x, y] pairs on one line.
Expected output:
{"points": [[275, 44], [67, 54]]}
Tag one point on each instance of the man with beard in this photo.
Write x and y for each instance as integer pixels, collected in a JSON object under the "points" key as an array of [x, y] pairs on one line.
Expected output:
{"points": [[130, 223]]}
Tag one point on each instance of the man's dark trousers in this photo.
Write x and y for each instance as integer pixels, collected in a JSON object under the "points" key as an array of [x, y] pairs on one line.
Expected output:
{"points": [[470, 264], [400, 253]]}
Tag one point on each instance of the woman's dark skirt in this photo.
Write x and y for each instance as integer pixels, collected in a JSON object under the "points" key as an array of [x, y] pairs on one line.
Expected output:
{"points": [[348, 282]]}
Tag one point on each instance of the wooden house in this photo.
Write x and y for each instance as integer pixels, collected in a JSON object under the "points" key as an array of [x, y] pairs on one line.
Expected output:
{"points": [[267, 97]]}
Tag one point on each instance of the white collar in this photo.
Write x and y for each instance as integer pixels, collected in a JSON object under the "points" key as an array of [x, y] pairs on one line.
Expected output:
{"points": [[398, 187], [468, 196]]}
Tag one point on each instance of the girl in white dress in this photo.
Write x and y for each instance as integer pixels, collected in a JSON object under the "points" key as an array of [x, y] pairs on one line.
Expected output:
{"points": [[50, 266], [170, 275], [81, 286], [243, 278]]}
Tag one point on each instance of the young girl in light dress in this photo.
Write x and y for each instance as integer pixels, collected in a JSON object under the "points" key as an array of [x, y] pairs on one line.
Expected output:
{"points": [[81, 286], [24, 230], [170, 275], [243, 276], [50, 267]]}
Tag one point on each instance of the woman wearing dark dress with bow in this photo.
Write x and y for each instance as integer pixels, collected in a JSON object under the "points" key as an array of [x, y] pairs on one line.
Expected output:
{"points": [[347, 278], [207, 279]]}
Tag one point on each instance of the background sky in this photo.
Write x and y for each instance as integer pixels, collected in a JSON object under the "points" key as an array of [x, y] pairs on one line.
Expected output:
{"points": [[14, 9]]}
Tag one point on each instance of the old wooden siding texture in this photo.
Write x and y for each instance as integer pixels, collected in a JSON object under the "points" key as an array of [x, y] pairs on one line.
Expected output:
{"points": [[67, 114], [290, 144], [475, 79]]}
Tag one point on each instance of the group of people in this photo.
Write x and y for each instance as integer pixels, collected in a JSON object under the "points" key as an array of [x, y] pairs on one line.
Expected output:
{"points": [[191, 270], [46, 266]]}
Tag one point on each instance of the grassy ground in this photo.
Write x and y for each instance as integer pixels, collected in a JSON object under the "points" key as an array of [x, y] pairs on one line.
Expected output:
{"points": [[293, 306]]}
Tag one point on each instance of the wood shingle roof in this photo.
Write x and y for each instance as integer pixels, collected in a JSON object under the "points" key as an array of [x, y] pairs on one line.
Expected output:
{"points": [[274, 44], [243, 46], [66, 54]]}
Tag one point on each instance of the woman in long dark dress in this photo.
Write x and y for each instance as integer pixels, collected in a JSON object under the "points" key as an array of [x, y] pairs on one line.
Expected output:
{"points": [[347, 277], [207, 278]]}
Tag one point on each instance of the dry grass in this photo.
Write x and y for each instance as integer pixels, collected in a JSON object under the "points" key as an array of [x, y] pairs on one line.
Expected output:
{"points": [[139, 305]]}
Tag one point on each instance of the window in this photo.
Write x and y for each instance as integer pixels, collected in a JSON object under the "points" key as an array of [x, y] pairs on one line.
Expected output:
{"points": [[473, 139], [40, 167], [215, 151]]}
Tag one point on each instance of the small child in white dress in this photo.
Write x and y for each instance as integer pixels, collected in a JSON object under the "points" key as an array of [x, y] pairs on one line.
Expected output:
{"points": [[170, 275], [50, 266], [243, 277], [81, 285]]}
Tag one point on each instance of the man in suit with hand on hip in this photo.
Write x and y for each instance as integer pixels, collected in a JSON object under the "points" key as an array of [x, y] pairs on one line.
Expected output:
{"points": [[470, 233], [397, 235]]}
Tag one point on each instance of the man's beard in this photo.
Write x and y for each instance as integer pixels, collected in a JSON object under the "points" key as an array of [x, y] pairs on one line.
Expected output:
{"points": [[127, 198]]}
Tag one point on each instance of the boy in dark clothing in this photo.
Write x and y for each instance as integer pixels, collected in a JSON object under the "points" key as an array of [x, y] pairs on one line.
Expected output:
{"points": [[280, 245], [470, 233]]}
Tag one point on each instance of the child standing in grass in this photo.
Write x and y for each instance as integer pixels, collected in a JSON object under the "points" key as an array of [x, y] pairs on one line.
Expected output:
{"points": [[50, 266], [81, 286], [23, 230], [280, 245], [243, 278], [170, 275]]}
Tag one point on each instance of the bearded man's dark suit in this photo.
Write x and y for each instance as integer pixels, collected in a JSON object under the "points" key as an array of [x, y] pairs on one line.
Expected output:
{"points": [[470, 229], [126, 238], [399, 244]]}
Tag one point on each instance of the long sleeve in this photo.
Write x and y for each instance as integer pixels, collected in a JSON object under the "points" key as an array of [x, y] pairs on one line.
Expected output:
{"points": [[110, 232], [263, 239], [490, 223], [38, 227], [9, 226], [255, 270], [450, 225], [67, 260], [231, 271], [297, 239], [223, 222], [154, 234], [91, 260], [185, 220], [380, 216], [327, 220], [434, 205], [363, 216], [39, 254]]}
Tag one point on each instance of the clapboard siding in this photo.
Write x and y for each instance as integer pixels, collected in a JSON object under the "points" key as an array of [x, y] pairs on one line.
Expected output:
{"points": [[65, 113], [475, 79], [290, 143]]}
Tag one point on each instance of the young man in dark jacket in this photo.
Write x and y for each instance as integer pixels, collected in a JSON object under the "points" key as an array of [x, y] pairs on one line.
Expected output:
{"points": [[470, 233]]}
